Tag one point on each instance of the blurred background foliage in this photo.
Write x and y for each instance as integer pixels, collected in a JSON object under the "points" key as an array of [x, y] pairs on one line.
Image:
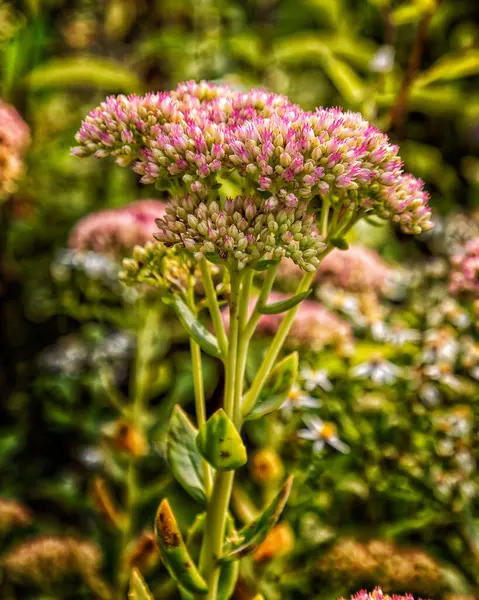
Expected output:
{"points": [[411, 67]]}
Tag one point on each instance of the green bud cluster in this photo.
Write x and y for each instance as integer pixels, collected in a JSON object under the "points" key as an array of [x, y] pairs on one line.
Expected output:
{"points": [[242, 231], [158, 266]]}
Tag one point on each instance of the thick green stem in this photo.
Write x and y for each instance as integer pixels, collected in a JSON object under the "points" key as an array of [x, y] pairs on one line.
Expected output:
{"points": [[200, 407], [243, 344], [213, 306], [223, 482], [262, 299]]}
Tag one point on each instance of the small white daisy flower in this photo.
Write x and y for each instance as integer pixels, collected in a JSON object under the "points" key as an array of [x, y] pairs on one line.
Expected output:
{"points": [[321, 433], [314, 378], [297, 399]]}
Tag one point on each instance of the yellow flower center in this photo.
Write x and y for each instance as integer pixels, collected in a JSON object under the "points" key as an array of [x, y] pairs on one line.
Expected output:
{"points": [[328, 431]]}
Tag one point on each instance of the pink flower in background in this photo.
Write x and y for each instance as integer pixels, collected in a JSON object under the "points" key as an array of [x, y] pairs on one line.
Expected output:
{"points": [[14, 140], [314, 326], [464, 277], [357, 269], [14, 132], [116, 230]]}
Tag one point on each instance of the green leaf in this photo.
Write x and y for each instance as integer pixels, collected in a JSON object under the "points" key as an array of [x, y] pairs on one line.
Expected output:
{"points": [[138, 588], [262, 265], [214, 258], [196, 330], [455, 66], [84, 71], [174, 553], [220, 443], [250, 537], [344, 78], [406, 14], [340, 243], [182, 455], [277, 387], [284, 305]]}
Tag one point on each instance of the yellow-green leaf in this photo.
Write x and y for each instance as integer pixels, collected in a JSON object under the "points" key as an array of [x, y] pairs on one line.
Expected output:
{"points": [[277, 387], [250, 537], [84, 71], [455, 66], [182, 455], [220, 443], [174, 553], [138, 588]]}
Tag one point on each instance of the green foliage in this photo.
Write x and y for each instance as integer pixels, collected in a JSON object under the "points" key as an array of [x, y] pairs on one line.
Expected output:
{"points": [[246, 540], [183, 457], [219, 442], [277, 387], [174, 552]]}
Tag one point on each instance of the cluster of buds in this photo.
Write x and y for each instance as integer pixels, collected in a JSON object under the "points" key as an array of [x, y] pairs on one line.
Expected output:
{"points": [[47, 560], [113, 232], [245, 231], [14, 140], [157, 266], [356, 562], [283, 159]]}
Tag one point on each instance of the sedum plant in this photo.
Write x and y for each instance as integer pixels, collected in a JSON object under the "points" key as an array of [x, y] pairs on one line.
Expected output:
{"points": [[251, 179]]}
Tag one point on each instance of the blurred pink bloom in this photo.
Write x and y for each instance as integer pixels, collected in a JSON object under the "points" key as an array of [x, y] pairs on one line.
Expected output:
{"points": [[314, 326], [116, 230], [14, 140], [464, 277]]}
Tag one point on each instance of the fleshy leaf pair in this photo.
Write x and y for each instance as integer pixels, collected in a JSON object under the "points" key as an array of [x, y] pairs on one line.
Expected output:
{"points": [[218, 442]]}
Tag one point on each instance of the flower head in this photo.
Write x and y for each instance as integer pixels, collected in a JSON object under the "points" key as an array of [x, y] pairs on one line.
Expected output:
{"points": [[356, 269], [14, 140], [241, 231], [117, 230], [464, 277], [283, 159]]}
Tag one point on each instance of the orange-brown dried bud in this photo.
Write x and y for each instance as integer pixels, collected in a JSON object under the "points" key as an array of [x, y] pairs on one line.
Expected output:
{"points": [[105, 504], [126, 437], [267, 466], [144, 553], [278, 542]]}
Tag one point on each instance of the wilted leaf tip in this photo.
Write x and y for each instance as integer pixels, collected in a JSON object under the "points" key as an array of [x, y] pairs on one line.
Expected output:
{"points": [[166, 526]]}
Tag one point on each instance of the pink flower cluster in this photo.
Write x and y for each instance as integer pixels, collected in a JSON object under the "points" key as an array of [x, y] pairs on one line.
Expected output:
{"points": [[314, 326], [14, 140], [357, 269], [190, 139], [114, 231], [378, 594], [464, 277]]}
